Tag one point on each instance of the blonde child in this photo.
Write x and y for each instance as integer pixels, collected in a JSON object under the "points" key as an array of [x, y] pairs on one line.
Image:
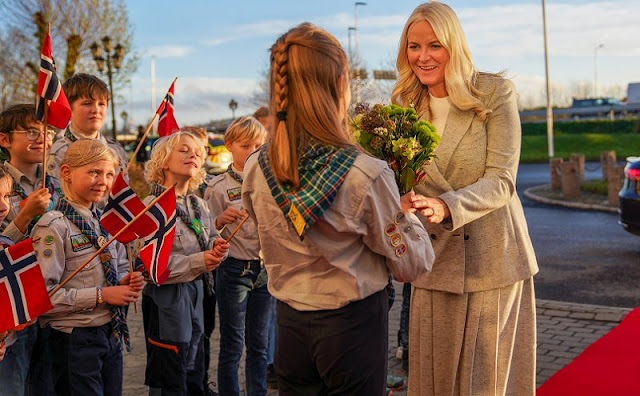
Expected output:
{"points": [[331, 225], [173, 315], [244, 304], [88, 319]]}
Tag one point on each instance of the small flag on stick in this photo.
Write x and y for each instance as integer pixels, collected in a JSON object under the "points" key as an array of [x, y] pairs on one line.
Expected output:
{"points": [[167, 123]]}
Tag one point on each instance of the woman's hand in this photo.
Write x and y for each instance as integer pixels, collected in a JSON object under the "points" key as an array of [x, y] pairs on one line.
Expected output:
{"points": [[119, 295], [434, 209], [135, 280], [406, 202]]}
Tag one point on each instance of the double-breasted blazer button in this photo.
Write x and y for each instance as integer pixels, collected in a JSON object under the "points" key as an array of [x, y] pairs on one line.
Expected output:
{"points": [[433, 236], [466, 237]]}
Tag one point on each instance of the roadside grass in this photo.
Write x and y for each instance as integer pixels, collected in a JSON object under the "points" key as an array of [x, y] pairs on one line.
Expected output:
{"points": [[534, 148]]}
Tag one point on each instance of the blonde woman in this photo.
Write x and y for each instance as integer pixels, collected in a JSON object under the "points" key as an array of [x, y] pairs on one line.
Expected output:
{"points": [[331, 226], [173, 312], [472, 329], [88, 319]]}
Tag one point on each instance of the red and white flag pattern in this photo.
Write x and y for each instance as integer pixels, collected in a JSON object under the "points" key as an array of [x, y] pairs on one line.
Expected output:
{"points": [[50, 88]]}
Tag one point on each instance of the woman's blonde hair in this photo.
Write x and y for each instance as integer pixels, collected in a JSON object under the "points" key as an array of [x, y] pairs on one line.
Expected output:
{"points": [[459, 74], [244, 128], [84, 152], [162, 149], [307, 66]]}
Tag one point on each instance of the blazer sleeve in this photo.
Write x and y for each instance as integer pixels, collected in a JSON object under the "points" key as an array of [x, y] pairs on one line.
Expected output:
{"points": [[498, 182]]}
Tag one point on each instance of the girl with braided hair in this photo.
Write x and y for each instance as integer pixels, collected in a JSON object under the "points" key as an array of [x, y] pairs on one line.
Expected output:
{"points": [[331, 225]]}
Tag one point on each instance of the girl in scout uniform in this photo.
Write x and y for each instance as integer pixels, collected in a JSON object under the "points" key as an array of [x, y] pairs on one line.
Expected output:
{"points": [[244, 302], [330, 224], [88, 319], [172, 312]]}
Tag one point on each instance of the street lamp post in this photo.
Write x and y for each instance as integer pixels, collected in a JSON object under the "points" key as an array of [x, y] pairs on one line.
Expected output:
{"points": [[233, 105], [546, 73], [595, 69], [351, 64], [118, 54], [357, 60]]}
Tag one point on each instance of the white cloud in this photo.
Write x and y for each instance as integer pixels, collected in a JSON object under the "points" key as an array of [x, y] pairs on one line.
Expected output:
{"points": [[169, 51]]}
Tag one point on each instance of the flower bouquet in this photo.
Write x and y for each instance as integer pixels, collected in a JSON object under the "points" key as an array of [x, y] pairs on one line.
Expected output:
{"points": [[394, 134]]}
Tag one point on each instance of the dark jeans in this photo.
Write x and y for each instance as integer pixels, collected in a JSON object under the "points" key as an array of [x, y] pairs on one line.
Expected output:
{"points": [[86, 362], [333, 352], [14, 369], [244, 317]]}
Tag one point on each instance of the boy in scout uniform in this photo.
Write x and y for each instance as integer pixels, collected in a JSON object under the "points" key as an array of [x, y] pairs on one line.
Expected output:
{"points": [[240, 282], [88, 319], [88, 96], [22, 139]]}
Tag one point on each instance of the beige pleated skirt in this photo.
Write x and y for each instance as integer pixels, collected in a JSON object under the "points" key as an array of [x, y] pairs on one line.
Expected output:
{"points": [[481, 343]]}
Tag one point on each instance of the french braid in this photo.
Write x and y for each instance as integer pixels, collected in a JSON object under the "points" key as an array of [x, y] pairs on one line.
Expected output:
{"points": [[282, 152]]}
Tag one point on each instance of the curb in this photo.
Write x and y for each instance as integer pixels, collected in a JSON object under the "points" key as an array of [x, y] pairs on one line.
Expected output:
{"points": [[581, 311], [530, 193]]}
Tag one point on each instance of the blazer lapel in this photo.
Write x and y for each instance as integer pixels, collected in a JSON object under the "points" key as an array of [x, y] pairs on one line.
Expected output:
{"points": [[458, 123]]}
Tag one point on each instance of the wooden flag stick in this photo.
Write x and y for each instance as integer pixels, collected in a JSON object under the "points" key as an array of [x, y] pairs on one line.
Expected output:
{"points": [[133, 157], [130, 254], [237, 229], [45, 138], [113, 238]]}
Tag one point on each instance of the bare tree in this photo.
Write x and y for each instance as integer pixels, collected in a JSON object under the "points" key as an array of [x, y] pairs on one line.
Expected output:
{"points": [[75, 25]]}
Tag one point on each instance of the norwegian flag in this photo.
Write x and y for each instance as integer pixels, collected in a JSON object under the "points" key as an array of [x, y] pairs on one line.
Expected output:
{"points": [[23, 295], [122, 207], [167, 123], [155, 253], [49, 88]]}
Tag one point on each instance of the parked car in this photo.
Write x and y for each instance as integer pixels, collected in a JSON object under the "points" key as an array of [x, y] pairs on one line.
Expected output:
{"points": [[219, 157], [629, 207]]}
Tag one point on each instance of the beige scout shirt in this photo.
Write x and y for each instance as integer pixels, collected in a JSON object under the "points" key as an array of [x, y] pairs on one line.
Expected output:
{"points": [[224, 191], [9, 229], [345, 256], [186, 261], [59, 147], [60, 249]]}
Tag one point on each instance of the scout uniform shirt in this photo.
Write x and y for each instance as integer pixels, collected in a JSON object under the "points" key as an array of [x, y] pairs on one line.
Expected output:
{"points": [[225, 191], [347, 253], [66, 137], [22, 187], [60, 249]]}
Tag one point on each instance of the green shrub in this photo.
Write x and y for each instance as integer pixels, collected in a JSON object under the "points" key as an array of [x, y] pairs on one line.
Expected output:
{"points": [[631, 125]]}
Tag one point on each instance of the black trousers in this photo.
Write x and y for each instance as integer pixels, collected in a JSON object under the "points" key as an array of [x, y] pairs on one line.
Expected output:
{"points": [[86, 362], [333, 352], [166, 371]]}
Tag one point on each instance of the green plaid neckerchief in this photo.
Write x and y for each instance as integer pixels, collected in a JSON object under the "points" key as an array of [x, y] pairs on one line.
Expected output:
{"points": [[69, 135], [18, 189], [322, 171], [233, 174], [118, 314], [207, 277]]}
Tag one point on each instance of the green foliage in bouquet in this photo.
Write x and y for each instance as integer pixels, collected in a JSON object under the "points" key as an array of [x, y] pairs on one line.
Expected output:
{"points": [[394, 134]]}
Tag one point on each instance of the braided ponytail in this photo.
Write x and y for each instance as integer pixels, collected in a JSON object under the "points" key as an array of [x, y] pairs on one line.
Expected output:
{"points": [[309, 82]]}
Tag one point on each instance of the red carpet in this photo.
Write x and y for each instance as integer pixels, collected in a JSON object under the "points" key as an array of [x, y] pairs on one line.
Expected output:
{"points": [[610, 366]]}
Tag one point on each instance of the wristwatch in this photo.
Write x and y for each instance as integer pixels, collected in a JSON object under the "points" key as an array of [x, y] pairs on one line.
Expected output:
{"points": [[100, 300]]}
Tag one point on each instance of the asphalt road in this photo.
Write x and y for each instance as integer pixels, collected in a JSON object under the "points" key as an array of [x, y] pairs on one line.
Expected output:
{"points": [[584, 256]]}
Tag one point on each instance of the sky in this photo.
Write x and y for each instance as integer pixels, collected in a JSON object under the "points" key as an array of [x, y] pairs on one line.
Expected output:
{"points": [[219, 49]]}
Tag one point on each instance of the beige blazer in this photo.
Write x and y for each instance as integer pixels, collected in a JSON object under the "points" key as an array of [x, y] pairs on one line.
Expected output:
{"points": [[485, 243]]}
